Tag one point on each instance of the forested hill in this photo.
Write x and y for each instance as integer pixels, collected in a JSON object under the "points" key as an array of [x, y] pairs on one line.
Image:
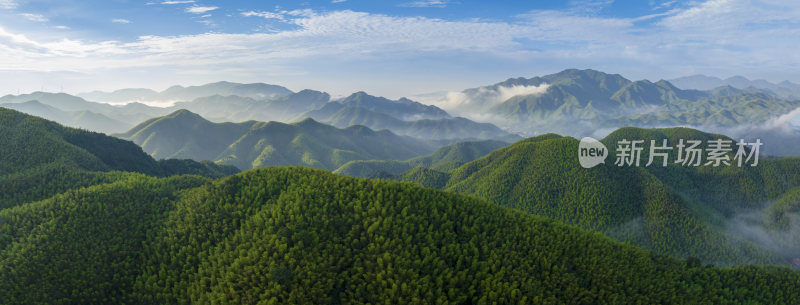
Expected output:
{"points": [[723, 215], [246, 145], [40, 158], [445, 158], [303, 236]]}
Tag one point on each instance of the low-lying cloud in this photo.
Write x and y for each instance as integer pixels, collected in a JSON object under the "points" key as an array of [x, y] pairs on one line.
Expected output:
{"points": [[474, 104], [506, 93], [754, 227]]}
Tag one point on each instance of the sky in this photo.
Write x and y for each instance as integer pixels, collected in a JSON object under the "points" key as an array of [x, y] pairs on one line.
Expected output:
{"points": [[388, 48]]}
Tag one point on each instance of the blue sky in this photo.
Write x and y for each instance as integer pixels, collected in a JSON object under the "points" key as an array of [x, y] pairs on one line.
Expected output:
{"points": [[390, 48]]}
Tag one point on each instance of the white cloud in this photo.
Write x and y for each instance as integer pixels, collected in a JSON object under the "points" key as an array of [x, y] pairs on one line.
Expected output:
{"points": [[207, 22], [589, 6], [200, 9], [428, 3], [267, 15], [301, 13], [479, 101], [338, 1], [62, 27], [674, 43], [172, 2], [505, 93], [8, 4], [119, 20], [345, 33], [665, 4], [34, 17]]}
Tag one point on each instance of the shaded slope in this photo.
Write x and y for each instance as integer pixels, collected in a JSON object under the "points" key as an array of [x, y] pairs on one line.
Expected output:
{"points": [[314, 144], [403, 109], [183, 134], [303, 236], [39, 158], [578, 102], [255, 144], [680, 211], [341, 115], [443, 159]]}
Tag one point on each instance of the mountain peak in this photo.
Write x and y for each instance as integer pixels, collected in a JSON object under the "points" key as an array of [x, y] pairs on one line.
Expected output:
{"points": [[737, 78], [184, 114], [359, 96], [311, 123], [310, 95], [308, 121]]}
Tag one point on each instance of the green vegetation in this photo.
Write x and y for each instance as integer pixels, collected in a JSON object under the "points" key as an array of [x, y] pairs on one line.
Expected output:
{"points": [[402, 117], [90, 219], [724, 110], [442, 159], [251, 144], [303, 236], [579, 100], [403, 108], [675, 210], [39, 159]]}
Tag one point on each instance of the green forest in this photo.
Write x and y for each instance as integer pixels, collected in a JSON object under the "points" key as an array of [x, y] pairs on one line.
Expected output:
{"points": [[91, 219], [304, 236], [680, 211]]}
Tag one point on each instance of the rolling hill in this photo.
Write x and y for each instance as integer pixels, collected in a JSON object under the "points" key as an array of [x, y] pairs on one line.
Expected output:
{"points": [[302, 236], [676, 210], [443, 159], [246, 145], [40, 158]]}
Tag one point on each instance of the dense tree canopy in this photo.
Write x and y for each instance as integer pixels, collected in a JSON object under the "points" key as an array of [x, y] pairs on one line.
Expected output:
{"points": [[302, 236]]}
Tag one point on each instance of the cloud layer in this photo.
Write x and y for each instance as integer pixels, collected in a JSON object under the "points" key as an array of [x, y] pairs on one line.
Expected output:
{"points": [[756, 38]]}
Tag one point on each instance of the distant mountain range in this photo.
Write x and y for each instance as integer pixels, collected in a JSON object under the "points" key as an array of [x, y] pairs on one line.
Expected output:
{"points": [[253, 144], [76, 112], [784, 89], [579, 102], [259, 91], [402, 117], [572, 102]]}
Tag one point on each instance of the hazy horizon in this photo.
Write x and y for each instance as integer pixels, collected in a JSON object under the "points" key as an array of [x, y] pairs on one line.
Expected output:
{"points": [[391, 49], [417, 96]]}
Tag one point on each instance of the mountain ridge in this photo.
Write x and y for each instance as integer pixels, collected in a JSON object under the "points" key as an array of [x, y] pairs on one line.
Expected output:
{"points": [[254, 144], [181, 93], [303, 236], [676, 210]]}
